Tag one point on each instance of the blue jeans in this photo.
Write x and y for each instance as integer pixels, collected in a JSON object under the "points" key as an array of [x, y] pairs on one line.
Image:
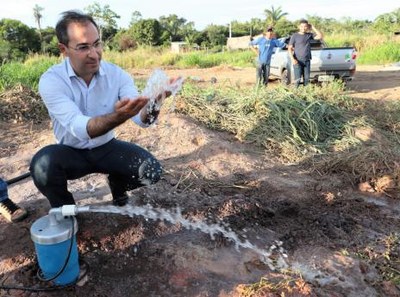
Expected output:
{"points": [[262, 72], [128, 167], [3, 190], [302, 68]]}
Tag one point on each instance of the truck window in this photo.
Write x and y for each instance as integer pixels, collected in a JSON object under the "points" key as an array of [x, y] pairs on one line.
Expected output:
{"points": [[316, 44]]}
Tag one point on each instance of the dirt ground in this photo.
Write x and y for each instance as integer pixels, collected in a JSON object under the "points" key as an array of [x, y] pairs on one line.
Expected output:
{"points": [[330, 231]]}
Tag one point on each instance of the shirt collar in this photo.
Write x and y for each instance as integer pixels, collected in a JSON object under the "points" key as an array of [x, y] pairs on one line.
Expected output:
{"points": [[71, 72]]}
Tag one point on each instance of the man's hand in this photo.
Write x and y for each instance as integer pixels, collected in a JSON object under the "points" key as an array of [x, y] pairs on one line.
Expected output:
{"points": [[127, 108], [318, 33], [291, 53], [124, 109]]}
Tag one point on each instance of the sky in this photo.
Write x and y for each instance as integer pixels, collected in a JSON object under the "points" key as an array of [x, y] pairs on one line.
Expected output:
{"points": [[201, 12]]}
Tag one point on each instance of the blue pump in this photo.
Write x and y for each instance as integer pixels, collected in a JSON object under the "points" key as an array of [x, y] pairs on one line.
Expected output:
{"points": [[54, 236]]}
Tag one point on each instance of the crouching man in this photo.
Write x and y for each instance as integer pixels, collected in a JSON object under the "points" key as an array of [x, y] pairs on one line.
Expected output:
{"points": [[86, 99]]}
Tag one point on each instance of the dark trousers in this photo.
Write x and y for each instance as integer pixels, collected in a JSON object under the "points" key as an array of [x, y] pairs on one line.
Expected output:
{"points": [[262, 73], [128, 167], [302, 68]]}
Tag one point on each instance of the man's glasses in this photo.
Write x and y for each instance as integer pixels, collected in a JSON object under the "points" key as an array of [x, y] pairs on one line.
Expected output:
{"points": [[85, 48]]}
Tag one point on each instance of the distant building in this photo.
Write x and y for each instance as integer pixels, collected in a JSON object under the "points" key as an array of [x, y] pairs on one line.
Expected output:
{"points": [[182, 46], [234, 43], [178, 46], [242, 42]]}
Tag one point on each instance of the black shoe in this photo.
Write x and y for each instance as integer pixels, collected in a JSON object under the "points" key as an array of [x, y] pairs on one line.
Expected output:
{"points": [[120, 201]]}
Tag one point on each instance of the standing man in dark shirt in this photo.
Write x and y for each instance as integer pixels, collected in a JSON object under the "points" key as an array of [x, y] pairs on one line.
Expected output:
{"points": [[300, 51]]}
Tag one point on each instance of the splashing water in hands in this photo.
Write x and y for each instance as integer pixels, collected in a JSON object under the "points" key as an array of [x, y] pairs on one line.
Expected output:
{"points": [[158, 87]]}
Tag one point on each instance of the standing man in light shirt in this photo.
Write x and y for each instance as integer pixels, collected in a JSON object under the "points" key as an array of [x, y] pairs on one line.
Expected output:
{"points": [[266, 45], [86, 99], [300, 51]]}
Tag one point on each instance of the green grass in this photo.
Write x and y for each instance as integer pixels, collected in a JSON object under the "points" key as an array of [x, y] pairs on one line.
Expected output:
{"points": [[381, 54], [372, 49], [206, 60], [143, 57], [148, 57], [26, 73]]}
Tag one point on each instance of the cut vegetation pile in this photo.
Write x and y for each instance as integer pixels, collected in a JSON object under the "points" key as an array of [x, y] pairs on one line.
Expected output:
{"points": [[20, 105], [318, 126]]}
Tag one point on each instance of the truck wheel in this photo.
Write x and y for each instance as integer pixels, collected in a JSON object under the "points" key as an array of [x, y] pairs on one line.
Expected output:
{"points": [[285, 79]]}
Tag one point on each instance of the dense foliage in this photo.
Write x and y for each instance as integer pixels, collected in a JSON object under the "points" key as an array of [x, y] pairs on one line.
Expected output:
{"points": [[18, 40]]}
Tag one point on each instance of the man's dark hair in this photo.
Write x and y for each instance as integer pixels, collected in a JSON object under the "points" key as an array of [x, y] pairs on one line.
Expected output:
{"points": [[68, 17], [303, 21]]}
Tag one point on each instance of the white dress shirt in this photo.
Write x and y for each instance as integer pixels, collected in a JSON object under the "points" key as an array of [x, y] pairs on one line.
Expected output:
{"points": [[71, 103]]}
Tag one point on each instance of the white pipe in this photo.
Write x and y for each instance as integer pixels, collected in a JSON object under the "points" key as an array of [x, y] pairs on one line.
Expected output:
{"points": [[57, 213]]}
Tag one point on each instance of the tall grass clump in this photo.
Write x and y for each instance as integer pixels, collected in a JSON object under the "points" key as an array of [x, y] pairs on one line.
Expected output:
{"points": [[142, 57], [381, 54], [359, 41], [372, 48], [26, 73], [338, 40]]}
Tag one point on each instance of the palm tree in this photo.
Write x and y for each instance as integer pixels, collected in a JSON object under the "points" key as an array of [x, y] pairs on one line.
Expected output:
{"points": [[274, 15], [38, 16]]}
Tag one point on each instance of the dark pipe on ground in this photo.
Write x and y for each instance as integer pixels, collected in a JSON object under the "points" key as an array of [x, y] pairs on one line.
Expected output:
{"points": [[18, 178]]}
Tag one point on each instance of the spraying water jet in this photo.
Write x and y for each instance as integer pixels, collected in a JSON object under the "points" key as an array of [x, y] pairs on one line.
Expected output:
{"points": [[54, 236]]}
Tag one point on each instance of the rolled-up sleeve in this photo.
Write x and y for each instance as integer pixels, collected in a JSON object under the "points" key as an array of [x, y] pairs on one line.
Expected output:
{"points": [[79, 127]]}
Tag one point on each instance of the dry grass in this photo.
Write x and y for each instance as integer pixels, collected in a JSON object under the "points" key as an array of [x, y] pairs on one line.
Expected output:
{"points": [[319, 127], [288, 284], [20, 105]]}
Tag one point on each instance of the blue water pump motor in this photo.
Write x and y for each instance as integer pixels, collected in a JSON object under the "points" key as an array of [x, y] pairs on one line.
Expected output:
{"points": [[52, 236]]}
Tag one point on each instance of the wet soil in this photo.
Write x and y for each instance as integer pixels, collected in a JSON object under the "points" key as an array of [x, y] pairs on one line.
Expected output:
{"points": [[339, 241]]}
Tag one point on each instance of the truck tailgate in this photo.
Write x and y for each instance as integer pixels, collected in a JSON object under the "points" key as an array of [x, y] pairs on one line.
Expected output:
{"points": [[331, 59]]}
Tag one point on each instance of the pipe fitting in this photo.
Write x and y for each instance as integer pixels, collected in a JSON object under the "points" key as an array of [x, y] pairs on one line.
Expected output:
{"points": [[58, 213], [69, 210]]}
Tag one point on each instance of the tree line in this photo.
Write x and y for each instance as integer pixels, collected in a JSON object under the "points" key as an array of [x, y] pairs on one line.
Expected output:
{"points": [[17, 40]]}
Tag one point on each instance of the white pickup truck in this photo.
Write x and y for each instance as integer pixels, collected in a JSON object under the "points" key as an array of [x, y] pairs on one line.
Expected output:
{"points": [[327, 63]]}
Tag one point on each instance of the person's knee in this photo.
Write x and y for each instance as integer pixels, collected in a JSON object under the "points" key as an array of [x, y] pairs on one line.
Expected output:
{"points": [[42, 163], [150, 171]]}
